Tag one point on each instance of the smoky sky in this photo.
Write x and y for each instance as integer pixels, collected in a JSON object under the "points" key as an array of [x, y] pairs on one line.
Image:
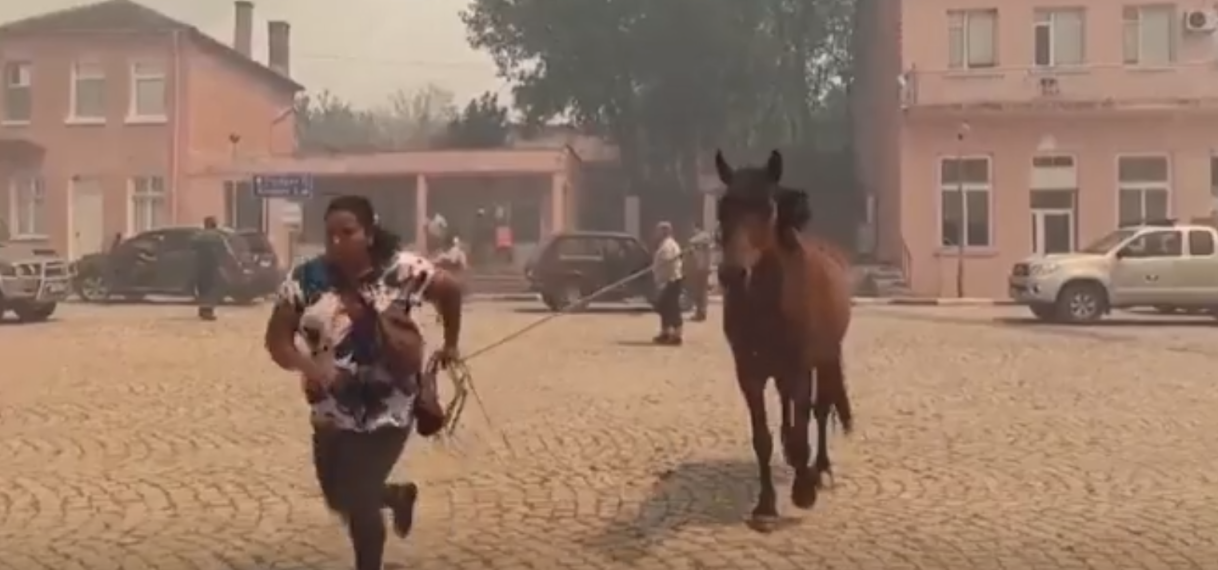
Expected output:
{"points": [[362, 50]]}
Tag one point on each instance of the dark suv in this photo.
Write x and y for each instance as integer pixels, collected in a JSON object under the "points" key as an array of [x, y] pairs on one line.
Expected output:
{"points": [[162, 262], [573, 265]]}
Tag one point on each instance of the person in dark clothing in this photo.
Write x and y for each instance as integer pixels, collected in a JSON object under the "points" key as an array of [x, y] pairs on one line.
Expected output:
{"points": [[208, 246]]}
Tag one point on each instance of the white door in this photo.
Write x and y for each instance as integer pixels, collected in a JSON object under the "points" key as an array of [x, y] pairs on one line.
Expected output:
{"points": [[1052, 231], [88, 218]]}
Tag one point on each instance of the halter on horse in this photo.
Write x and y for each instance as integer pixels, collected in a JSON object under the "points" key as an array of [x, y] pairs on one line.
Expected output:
{"points": [[786, 312]]}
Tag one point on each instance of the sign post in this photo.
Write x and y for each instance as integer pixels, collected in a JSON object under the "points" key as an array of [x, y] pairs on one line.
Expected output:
{"points": [[291, 188]]}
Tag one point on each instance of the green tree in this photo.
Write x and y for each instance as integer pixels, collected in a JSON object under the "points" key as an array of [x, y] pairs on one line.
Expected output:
{"points": [[667, 81], [408, 120], [483, 124]]}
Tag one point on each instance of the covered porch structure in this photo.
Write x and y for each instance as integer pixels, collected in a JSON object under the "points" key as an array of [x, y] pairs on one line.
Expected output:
{"points": [[535, 190]]}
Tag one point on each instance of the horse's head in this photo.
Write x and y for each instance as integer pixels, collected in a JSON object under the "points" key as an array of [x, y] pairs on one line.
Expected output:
{"points": [[755, 213]]}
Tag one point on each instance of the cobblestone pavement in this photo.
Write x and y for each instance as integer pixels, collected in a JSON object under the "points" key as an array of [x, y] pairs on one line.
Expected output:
{"points": [[135, 437]]}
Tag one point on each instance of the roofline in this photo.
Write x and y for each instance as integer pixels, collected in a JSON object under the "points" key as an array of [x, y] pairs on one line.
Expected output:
{"points": [[222, 50]]}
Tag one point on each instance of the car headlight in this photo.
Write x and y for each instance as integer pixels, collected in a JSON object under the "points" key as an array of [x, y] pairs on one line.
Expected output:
{"points": [[1044, 268]]}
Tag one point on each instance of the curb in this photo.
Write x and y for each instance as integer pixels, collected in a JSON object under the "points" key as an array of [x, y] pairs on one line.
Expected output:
{"points": [[858, 301], [932, 302]]}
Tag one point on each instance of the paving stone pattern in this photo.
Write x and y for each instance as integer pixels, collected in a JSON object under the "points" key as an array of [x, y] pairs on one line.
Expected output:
{"points": [[135, 437]]}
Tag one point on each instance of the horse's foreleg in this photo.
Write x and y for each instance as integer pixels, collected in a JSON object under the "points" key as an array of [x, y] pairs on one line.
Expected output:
{"points": [[796, 393], [753, 388]]}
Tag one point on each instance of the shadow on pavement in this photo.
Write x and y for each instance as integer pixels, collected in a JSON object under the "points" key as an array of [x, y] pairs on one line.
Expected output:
{"points": [[14, 322], [693, 494], [595, 310]]}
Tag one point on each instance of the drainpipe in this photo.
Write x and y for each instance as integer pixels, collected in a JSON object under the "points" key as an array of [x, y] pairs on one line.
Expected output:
{"points": [[175, 131], [962, 230]]}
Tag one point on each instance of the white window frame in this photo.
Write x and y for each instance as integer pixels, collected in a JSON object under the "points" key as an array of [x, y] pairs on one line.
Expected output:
{"points": [[143, 194], [138, 75], [1143, 186], [945, 187], [86, 71], [1047, 18], [26, 82], [958, 21], [27, 218], [1131, 30]]}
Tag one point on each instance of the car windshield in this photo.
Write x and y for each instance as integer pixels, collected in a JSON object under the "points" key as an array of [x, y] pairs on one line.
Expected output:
{"points": [[1106, 243], [257, 242]]}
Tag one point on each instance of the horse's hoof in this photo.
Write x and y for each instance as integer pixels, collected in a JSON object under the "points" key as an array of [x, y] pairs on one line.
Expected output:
{"points": [[804, 490]]}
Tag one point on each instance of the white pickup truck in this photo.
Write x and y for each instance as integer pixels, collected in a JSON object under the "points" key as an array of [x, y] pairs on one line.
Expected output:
{"points": [[1162, 265]]}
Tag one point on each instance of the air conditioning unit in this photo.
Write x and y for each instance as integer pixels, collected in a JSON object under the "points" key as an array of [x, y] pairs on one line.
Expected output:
{"points": [[1200, 21], [1049, 86]]}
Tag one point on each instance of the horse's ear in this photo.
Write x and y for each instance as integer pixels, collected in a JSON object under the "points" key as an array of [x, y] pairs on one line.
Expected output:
{"points": [[723, 168], [773, 166]]}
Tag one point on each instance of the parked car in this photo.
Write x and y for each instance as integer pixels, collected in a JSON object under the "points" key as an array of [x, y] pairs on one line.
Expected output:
{"points": [[573, 265], [33, 279], [268, 275], [1165, 265], [169, 266]]}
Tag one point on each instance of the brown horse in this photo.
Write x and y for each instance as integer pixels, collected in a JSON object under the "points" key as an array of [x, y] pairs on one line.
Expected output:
{"points": [[786, 312]]}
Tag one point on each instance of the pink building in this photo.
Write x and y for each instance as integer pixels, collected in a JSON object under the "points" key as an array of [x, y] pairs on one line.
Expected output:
{"points": [[1056, 119]]}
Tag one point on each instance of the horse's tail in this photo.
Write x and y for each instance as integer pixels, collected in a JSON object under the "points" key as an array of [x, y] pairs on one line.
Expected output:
{"points": [[831, 392]]}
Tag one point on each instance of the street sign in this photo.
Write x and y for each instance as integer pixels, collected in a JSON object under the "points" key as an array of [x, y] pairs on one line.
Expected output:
{"points": [[283, 186]]}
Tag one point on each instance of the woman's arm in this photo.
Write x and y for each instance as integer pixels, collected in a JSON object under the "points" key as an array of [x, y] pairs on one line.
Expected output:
{"points": [[445, 293], [280, 337]]}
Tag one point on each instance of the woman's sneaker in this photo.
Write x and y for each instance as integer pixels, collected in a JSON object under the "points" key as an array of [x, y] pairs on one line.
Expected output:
{"points": [[401, 503]]}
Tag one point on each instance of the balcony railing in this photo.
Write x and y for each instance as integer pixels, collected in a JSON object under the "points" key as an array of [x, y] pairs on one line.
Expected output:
{"points": [[1099, 87]]}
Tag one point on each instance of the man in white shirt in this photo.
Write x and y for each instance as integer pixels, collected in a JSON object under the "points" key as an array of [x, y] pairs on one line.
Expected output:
{"points": [[667, 270]]}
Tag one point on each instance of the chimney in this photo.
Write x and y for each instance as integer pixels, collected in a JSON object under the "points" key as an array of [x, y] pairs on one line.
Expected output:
{"points": [[243, 27], [279, 46]]}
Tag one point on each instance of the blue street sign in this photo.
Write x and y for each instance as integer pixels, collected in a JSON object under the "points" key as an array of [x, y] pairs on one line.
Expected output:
{"points": [[283, 186]]}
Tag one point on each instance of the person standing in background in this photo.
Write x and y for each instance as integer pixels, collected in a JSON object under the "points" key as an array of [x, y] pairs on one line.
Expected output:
{"points": [[698, 278], [667, 270], [208, 257], [437, 234]]}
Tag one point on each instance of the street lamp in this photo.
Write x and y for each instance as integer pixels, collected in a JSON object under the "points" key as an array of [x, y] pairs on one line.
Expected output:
{"points": [[962, 227]]}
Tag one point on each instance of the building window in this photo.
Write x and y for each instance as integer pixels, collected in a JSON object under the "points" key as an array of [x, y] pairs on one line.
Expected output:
{"points": [[18, 101], [1144, 189], [27, 203], [970, 39], [148, 203], [148, 92], [1058, 37], [964, 201], [88, 92], [1150, 35]]}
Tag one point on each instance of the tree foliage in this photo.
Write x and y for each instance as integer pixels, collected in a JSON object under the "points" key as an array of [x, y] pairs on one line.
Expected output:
{"points": [[407, 120], [669, 80], [483, 124]]}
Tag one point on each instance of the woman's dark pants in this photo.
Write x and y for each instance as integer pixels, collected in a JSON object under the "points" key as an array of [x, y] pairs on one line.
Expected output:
{"points": [[352, 469], [669, 307]]}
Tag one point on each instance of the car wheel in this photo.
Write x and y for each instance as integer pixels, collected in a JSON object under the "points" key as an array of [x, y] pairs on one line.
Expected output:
{"points": [[34, 313], [571, 297], [1044, 312], [1081, 303], [552, 302], [243, 298], [92, 288]]}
